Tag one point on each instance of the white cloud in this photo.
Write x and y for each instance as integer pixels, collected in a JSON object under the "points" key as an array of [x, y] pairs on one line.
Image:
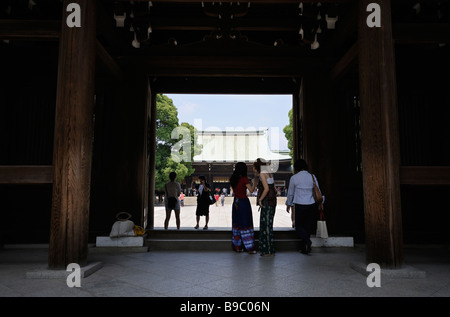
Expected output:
{"points": [[187, 107]]}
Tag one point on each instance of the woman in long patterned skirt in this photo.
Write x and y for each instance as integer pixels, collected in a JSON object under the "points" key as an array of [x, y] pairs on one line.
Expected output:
{"points": [[242, 219], [267, 200]]}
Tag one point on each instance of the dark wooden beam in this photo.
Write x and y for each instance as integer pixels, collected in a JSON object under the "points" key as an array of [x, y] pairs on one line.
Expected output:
{"points": [[425, 175], [26, 174], [245, 2], [380, 139], [298, 134], [72, 151], [152, 159], [108, 61], [30, 29], [415, 33], [224, 85], [211, 24], [345, 63], [225, 66]]}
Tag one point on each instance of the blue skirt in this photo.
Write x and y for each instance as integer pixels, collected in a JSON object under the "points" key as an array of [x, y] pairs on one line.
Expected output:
{"points": [[242, 225]]}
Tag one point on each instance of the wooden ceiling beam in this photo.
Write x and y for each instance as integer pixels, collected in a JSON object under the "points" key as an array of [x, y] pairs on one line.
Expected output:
{"points": [[225, 66], [224, 85], [243, 2], [209, 24], [30, 29]]}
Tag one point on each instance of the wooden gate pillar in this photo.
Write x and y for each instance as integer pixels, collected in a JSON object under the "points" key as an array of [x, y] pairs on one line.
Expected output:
{"points": [[72, 153], [379, 137]]}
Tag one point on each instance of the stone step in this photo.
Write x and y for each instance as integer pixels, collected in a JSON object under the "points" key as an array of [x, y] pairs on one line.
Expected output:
{"points": [[211, 233], [221, 240]]}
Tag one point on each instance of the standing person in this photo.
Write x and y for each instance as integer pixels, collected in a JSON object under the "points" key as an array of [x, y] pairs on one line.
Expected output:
{"points": [[300, 194], [216, 197], [267, 200], [171, 201], [242, 220], [222, 199], [203, 201], [182, 199]]}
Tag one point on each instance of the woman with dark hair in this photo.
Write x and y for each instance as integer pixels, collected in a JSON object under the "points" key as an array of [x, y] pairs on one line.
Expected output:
{"points": [[300, 194], [171, 201], [241, 213], [203, 201], [267, 200]]}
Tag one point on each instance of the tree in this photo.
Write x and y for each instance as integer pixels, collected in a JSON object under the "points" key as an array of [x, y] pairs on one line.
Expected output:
{"points": [[166, 122], [288, 132]]}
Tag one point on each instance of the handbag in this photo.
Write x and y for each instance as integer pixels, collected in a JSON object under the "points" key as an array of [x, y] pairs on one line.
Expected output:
{"points": [[318, 198], [212, 199], [321, 231]]}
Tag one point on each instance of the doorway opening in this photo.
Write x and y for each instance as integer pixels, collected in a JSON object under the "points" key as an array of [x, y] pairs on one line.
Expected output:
{"points": [[222, 129]]}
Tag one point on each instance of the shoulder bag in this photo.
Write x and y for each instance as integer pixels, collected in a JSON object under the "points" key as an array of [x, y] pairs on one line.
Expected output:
{"points": [[318, 198]]}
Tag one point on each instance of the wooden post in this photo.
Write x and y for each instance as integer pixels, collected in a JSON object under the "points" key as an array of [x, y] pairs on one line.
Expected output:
{"points": [[72, 154], [296, 131], [380, 138], [309, 120], [152, 162]]}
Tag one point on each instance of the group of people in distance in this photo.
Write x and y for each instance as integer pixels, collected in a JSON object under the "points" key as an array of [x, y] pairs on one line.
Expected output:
{"points": [[300, 195]]}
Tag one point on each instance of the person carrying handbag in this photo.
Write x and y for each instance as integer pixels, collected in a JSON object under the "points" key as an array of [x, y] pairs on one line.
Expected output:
{"points": [[301, 195], [267, 201], [203, 201]]}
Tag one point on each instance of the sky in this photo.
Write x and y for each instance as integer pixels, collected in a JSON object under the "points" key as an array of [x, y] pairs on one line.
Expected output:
{"points": [[236, 112]]}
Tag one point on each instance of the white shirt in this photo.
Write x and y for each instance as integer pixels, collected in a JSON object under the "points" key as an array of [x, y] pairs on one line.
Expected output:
{"points": [[173, 189], [301, 189]]}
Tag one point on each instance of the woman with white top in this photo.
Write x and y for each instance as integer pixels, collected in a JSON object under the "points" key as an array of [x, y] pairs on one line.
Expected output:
{"points": [[300, 194], [172, 190], [267, 200]]}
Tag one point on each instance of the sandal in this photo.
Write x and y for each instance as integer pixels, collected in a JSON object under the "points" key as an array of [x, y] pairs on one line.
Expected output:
{"points": [[205, 228], [196, 227]]}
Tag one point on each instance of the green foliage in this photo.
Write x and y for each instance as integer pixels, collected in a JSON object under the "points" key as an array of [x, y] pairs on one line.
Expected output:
{"points": [[166, 122], [288, 132]]}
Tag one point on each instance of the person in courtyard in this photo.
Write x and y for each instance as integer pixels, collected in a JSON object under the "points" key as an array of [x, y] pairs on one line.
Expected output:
{"points": [[241, 213], [222, 199], [216, 197], [267, 200], [171, 201], [182, 199], [300, 194], [203, 203]]}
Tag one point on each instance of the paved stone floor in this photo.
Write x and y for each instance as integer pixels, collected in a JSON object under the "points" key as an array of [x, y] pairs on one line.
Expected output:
{"points": [[174, 277], [326, 272], [219, 216]]}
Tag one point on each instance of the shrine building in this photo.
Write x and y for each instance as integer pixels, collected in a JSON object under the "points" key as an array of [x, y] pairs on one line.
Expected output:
{"points": [[221, 150]]}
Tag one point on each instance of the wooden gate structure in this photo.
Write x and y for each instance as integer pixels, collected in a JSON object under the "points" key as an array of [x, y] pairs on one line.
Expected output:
{"points": [[369, 82]]}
